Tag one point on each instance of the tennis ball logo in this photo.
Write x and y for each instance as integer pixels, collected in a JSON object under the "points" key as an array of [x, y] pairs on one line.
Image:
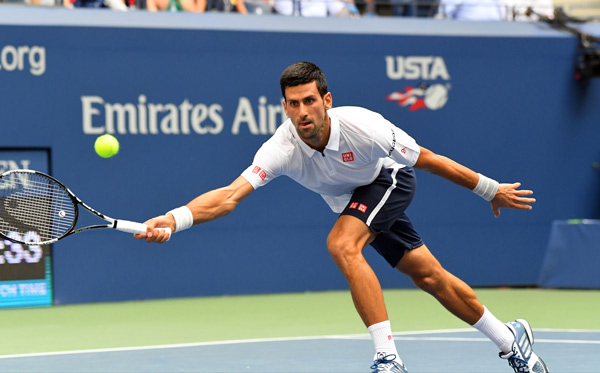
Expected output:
{"points": [[106, 146], [436, 96]]}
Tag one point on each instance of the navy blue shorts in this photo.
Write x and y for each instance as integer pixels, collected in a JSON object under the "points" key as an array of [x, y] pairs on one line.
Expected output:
{"points": [[381, 206]]}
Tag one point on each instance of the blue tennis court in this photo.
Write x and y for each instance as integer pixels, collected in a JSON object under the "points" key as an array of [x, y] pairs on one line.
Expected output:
{"points": [[460, 350]]}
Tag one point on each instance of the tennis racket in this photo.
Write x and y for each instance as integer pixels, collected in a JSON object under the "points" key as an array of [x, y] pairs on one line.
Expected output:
{"points": [[37, 209]]}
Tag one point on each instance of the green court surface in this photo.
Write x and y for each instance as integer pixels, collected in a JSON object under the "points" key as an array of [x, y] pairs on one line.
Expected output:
{"points": [[189, 320]]}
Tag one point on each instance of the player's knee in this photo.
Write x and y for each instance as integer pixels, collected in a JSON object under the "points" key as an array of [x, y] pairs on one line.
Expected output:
{"points": [[336, 247], [342, 251], [430, 282]]}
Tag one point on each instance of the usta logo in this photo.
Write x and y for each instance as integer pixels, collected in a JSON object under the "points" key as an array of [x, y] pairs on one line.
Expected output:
{"points": [[414, 67], [432, 96]]}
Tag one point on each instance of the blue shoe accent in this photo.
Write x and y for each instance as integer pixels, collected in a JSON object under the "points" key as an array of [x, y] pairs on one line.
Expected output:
{"points": [[522, 358], [388, 364]]}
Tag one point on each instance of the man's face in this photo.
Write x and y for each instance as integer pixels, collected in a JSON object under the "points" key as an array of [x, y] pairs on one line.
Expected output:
{"points": [[308, 112]]}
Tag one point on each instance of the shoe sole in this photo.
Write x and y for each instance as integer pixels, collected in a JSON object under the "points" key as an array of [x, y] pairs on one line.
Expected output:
{"points": [[543, 364]]}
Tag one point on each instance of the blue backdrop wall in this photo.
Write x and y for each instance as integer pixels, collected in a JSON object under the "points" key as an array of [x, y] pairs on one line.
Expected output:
{"points": [[192, 97]]}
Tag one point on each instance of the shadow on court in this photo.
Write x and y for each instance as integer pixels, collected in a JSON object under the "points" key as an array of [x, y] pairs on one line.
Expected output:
{"points": [[458, 351]]}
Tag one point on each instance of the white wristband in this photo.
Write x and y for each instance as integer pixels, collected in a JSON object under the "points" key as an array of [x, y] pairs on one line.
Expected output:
{"points": [[486, 188], [183, 218]]}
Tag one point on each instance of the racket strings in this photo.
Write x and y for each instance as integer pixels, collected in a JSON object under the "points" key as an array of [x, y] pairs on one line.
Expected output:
{"points": [[35, 203]]}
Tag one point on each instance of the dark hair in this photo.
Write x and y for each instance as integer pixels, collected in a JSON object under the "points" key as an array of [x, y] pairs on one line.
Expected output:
{"points": [[303, 73]]}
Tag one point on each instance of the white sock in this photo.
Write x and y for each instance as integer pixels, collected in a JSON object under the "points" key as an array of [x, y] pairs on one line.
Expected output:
{"points": [[496, 331], [381, 334]]}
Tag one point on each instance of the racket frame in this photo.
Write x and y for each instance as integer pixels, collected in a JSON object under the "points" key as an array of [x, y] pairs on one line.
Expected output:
{"points": [[122, 225]]}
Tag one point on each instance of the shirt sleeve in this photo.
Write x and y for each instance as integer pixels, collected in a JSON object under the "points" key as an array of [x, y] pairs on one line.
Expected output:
{"points": [[390, 141], [269, 163], [256, 176]]}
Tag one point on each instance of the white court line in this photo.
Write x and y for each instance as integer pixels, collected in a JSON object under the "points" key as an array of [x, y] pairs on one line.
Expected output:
{"points": [[404, 336], [452, 339], [158, 347], [568, 330], [217, 343], [397, 336]]}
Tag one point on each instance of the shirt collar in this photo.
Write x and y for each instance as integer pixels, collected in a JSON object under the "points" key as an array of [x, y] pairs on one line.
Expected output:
{"points": [[334, 134], [334, 137]]}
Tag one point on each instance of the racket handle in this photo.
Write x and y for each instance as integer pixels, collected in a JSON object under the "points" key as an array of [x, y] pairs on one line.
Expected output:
{"points": [[133, 227]]}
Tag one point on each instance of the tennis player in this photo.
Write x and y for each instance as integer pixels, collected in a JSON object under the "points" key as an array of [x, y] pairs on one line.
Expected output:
{"points": [[362, 165]]}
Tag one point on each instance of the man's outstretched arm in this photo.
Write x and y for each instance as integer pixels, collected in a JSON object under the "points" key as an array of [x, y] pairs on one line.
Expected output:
{"points": [[506, 196], [204, 208]]}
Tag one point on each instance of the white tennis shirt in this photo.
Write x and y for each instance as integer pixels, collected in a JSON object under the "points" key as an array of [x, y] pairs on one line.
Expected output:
{"points": [[361, 142]]}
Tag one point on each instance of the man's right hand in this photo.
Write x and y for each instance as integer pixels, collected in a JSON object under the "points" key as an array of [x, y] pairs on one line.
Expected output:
{"points": [[157, 235]]}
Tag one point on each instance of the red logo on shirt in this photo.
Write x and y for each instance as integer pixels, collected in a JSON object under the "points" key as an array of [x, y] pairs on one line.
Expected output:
{"points": [[347, 157], [362, 208], [260, 172], [403, 150], [353, 205]]}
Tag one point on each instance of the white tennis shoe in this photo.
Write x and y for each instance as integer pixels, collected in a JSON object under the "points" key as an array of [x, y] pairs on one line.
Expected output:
{"points": [[388, 363], [522, 358]]}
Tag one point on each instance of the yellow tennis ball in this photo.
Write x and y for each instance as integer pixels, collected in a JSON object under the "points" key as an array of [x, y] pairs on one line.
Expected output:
{"points": [[106, 146]]}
